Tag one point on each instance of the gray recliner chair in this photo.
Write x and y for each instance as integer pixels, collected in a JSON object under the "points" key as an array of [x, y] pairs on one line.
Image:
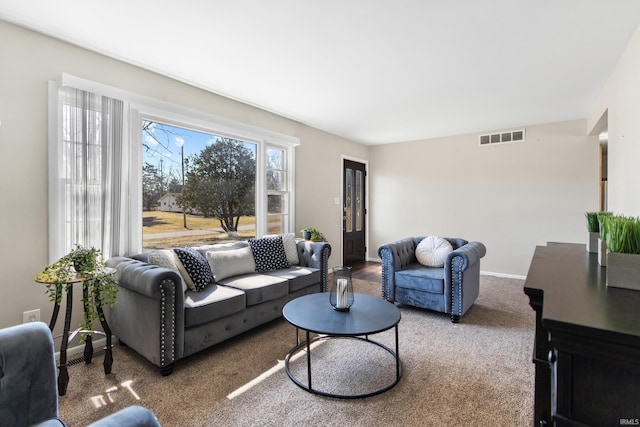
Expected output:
{"points": [[28, 383], [451, 289]]}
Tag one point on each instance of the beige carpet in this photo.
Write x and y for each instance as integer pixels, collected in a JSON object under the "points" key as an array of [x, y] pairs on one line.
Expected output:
{"points": [[475, 373]]}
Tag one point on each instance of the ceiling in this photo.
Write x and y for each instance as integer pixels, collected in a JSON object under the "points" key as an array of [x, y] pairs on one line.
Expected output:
{"points": [[372, 71]]}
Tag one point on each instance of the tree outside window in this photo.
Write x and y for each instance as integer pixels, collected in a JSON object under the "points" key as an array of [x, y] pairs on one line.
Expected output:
{"points": [[198, 188]]}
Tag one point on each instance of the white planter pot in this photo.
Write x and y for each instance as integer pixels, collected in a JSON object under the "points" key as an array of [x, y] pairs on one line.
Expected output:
{"points": [[623, 270], [592, 243], [602, 253]]}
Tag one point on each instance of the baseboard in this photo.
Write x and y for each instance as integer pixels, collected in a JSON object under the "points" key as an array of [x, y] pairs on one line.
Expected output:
{"points": [[505, 275], [77, 351]]}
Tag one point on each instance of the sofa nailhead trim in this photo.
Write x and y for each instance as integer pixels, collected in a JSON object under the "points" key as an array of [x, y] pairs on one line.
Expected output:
{"points": [[163, 331], [162, 311], [456, 277]]}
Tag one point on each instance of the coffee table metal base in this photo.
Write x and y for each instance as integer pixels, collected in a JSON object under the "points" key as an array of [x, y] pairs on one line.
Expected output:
{"points": [[307, 346]]}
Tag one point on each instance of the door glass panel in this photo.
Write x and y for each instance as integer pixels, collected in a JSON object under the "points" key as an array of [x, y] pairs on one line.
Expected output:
{"points": [[348, 200], [359, 208]]}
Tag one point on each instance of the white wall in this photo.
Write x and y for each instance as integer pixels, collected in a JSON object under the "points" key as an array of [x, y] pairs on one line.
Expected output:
{"points": [[511, 197], [620, 104], [29, 61], [319, 182]]}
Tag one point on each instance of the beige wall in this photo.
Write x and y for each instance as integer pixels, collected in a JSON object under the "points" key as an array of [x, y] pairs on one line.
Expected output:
{"points": [[619, 104], [511, 197], [29, 61]]}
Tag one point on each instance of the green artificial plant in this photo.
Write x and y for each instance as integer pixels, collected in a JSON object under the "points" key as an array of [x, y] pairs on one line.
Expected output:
{"points": [[315, 235], [622, 234], [84, 265], [592, 222], [601, 223]]}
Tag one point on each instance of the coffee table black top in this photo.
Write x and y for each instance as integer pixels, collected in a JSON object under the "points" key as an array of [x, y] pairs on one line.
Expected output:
{"points": [[367, 315]]}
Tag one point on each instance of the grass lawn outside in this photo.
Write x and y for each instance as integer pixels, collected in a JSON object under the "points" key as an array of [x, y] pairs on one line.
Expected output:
{"points": [[162, 222], [166, 230]]}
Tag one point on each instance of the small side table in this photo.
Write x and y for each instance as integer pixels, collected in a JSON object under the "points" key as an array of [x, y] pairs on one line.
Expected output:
{"points": [[63, 376]]}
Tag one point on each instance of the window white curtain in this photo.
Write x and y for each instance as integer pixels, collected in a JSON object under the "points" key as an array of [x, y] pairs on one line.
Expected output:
{"points": [[88, 174]]}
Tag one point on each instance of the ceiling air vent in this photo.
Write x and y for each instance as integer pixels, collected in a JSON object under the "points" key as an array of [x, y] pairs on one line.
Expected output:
{"points": [[502, 137]]}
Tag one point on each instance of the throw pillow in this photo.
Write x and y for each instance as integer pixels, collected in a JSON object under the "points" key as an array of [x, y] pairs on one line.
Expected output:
{"points": [[290, 247], [196, 266], [269, 254], [432, 251], [163, 258], [166, 258], [231, 262]]}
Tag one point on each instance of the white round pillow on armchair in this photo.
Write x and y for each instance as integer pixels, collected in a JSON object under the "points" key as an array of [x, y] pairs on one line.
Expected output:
{"points": [[432, 251]]}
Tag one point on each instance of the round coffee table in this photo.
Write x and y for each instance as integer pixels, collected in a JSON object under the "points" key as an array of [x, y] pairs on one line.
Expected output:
{"points": [[368, 315]]}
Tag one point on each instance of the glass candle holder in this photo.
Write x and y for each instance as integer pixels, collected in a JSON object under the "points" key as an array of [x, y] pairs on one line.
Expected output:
{"points": [[341, 293]]}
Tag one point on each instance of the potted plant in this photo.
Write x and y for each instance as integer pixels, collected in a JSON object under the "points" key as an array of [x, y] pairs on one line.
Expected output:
{"points": [[84, 265], [622, 235], [602, 243], [312, 234], [593, 229]]}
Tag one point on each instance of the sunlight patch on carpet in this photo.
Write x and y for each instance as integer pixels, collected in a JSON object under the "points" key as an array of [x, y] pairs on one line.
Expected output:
{"points": [[266, 374], [99, 400]]}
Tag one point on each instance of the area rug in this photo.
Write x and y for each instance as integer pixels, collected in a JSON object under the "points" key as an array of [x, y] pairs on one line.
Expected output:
{"points": [[474, 373]]}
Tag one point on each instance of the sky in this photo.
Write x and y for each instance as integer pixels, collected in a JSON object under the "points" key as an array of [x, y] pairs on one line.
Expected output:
{"points": [[163, 148]]}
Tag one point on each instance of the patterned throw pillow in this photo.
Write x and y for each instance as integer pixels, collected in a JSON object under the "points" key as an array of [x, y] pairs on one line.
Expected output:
{"points": [[269, 254], [290, 247], [196, 266]]}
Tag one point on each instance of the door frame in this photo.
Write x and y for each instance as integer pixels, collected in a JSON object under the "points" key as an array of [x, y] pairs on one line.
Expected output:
{"points": [[344, 157]]}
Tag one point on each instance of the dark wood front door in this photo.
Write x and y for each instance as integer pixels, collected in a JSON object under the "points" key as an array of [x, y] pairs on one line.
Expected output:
{"points": [[353, 218]]}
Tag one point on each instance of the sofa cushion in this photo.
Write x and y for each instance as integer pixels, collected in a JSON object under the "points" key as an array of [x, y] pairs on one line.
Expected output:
{"points": [[269, 254], [298, 277], [214, 302], [258, 287], [432, 251], [239, 244], [417, 276], [166, 258], [290, 247], [196, 267], [231, 262]]}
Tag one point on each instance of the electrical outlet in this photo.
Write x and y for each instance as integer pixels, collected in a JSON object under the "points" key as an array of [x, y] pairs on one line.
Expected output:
{"points": [[31, 316]]}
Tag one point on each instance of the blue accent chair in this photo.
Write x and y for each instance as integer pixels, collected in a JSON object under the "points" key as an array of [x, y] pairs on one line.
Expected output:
{"points": [[451, 289], [28, 383]]}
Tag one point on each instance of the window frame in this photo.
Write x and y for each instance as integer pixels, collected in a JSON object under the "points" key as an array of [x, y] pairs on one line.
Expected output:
{"points": [[283, 192], [145, 108]]}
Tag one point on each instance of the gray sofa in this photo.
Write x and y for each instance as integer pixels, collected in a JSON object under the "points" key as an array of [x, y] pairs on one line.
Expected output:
{"points": [[164, 320], [450, 289]]}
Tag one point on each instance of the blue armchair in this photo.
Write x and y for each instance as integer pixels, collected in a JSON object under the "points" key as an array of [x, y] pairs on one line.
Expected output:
{"points": [[451, 289], [28, 383]]}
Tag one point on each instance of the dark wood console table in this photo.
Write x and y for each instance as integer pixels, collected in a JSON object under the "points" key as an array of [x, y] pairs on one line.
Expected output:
{"points": [[587, 341]]}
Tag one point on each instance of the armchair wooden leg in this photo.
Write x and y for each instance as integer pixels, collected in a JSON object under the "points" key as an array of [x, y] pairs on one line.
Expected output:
{"points": [[455, 318]]}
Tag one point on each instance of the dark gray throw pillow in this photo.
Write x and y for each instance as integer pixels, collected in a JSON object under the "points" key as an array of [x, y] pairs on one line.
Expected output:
{"points": [[196, 266], [269, 254]]}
